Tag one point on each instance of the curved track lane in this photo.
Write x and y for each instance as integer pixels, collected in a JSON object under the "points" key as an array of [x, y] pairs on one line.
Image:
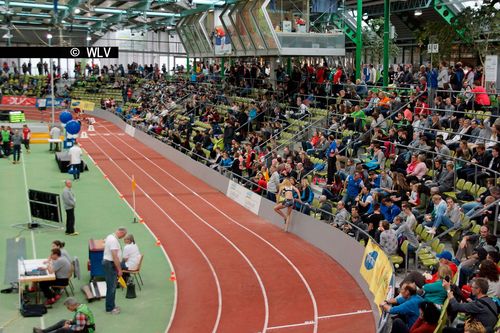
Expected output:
{"points": [[235, 272]]}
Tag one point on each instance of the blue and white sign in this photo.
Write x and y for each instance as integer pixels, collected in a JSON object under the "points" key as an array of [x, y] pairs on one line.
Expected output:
{"points": [[47, 102]]}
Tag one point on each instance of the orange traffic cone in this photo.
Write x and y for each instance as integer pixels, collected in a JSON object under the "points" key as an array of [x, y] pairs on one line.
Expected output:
{"points": [[141, 220], [158, 243], [172, 277]]}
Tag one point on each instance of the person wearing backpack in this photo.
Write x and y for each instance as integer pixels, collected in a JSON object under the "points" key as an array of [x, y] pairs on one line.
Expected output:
{"points": [[83, 320], [482, 308]]}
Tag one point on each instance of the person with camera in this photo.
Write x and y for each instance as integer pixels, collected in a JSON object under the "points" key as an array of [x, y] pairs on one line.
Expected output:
{"points": [[481, 308]]}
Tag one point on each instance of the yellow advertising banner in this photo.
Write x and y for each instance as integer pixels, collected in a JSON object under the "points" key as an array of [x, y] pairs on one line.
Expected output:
{"points": [[376, 269], [82, 105]]}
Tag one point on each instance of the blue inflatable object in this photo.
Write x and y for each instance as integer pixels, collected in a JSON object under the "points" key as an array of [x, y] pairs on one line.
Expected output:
{"points": [[65, 116], [73, 127]]}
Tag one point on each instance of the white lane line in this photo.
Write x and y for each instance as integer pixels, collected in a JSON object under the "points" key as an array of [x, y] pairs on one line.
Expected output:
{"points": [[311, 322], [299, 273], [249, 262], [174, 306], [33, 244], [219, 291], [345, 314]]}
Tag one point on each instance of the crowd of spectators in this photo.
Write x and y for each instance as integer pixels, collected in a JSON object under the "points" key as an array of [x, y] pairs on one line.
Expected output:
{"points": [[397, 167], [384, 159]]}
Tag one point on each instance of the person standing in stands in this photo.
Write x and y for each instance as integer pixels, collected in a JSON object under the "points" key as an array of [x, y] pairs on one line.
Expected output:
{"points": [[69, 202], [75, 154], [112, 267], [331, 154], [16, 151], [26, 138], [83, 320]]}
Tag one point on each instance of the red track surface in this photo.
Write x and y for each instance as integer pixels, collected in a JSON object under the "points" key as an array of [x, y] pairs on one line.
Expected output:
{"points": [[235, 272]]}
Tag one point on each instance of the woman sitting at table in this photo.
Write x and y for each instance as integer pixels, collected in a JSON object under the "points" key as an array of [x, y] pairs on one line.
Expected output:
{"points": [[57, 244], [131, 255], [61, 267]]}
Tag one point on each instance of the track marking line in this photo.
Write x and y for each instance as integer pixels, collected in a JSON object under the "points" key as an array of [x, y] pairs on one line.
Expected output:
{"points": [[299, 273], [311, 322], [249, 262], [219, 291], [33, 244]]}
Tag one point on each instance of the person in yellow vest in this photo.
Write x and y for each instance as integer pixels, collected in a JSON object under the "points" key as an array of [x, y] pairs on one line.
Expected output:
{"points": [[83, 320]]}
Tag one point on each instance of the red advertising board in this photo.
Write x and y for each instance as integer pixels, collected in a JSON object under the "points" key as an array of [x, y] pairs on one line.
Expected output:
{"points": [[19, 100]]}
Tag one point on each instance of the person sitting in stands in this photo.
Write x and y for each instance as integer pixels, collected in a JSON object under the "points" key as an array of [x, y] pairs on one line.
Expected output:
{"points": [[482, 308], [426, 322], [406, 305], [434, 292], [445, 258]]}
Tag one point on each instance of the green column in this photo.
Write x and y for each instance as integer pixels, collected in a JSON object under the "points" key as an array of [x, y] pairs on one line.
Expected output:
{"points": [[387, 21], [359, 38], [289, 66]]}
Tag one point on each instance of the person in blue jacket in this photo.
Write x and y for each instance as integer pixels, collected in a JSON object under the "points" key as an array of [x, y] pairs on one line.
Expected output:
{"points": [[353, 185], [405, 305], [389, 209], [306, 196], [432, 84]]}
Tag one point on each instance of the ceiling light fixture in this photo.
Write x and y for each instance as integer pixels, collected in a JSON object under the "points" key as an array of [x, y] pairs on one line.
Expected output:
{"points": [[89, 38], [77, 11], [49, 35], [8, 35], [418, 12]]}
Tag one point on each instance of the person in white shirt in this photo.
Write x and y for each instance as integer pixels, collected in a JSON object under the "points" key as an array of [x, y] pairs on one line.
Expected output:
{"points": [[75, 154], [112, 267], [131, 255], [55, 134]]}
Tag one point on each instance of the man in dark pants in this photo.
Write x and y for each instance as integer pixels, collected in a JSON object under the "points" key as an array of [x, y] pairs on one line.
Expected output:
{"points": [[83, 320], [482, 308], [331, 154], [69, 202], [112, 267]]}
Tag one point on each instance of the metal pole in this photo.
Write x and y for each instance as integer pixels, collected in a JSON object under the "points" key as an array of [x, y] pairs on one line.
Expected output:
{"points": [[51, 71], [359, 39], [387, 21]]}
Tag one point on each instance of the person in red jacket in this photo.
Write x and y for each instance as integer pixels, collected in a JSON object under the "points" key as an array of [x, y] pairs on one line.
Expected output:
{"points": [[26, 137], [445, 258], [480, 96], [338, 75], [426, 322]]}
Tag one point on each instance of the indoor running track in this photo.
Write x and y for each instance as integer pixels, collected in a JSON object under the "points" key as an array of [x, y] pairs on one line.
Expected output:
{"points": [[235, 272]]}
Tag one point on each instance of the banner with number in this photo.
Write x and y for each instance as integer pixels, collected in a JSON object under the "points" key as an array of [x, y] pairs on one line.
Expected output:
{"points": [[82, 105], [376, 269]]}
